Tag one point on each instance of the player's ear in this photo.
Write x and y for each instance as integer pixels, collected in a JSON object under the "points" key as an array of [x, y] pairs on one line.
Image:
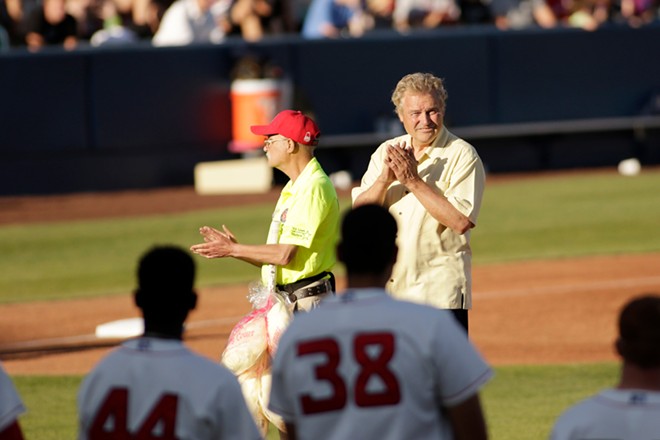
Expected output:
{"points": [[138, 298], [340, 251], [292, 146], [193, 300], [395, 252], [619, 347]]}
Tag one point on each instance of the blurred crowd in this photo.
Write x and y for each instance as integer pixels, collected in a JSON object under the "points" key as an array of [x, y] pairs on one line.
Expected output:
{"points": [[69, 23]]}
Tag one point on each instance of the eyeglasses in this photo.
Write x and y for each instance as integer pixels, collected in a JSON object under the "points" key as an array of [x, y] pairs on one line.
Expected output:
{"points": [[269, 142]]}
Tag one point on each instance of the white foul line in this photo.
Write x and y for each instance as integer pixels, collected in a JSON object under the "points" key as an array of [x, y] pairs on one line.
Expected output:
{"points": [[574, 287]]}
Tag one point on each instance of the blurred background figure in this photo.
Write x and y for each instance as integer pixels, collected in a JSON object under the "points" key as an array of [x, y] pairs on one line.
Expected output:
{"points": [[475, 11], [336, 18], [88, 16], [424, 14], [521, 14], [51, 25], [193, 21], [11, 16], [129, 21], [154, 386], [142, 17], [638, 13], [588, 14], [381, 12], [117, 22], [113, 31], [254, 19], [630, 410]]}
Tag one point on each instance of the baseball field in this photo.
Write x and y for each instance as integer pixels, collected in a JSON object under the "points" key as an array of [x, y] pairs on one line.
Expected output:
{"points": [[555, 257]]}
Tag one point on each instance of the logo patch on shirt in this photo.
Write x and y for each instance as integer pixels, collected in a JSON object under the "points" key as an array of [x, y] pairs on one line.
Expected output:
{"points": [[283, 215], [300, 233]]}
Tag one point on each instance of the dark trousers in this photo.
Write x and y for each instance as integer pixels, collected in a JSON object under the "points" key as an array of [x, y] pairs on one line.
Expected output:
{"points": [[461, 316]]}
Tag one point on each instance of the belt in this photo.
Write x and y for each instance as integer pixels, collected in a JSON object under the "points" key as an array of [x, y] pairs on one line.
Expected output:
{"points": [[311, 286]]}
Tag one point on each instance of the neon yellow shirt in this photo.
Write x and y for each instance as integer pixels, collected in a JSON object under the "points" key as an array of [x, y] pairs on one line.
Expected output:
{"points": [[308, 211], [434, 263]]}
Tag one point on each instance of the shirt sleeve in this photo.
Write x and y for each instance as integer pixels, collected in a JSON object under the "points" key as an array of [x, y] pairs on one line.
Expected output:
{"points": [[174, 29], [461, 369], [374, 169], [279, 401], [466, 183]]}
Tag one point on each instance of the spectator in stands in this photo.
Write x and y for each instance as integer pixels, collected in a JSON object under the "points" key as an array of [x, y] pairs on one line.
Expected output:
{"points": [[583, 14], [475, 11], [520, 14], [193, 21], [297, 9], [629, 410], [129, 21], [335, 18], [142, 17], [638, 13], [113, 31], [88, 15], [425, 14], [11, 407], [253, 19], [381, 13], [51, 25], [11, 16], [588, 14]]}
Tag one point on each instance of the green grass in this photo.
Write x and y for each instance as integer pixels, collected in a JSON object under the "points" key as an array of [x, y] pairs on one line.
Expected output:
{"points": [[520, 402], [568, 217], [51, 406], [529, 219], [523, 402], [61, 260]]}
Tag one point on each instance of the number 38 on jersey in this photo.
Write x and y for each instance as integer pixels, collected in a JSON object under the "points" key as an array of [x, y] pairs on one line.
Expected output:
{"points": [[374, 383]]}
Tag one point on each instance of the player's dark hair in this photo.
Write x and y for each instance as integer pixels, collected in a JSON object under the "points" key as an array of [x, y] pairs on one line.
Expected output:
{"points": [[639, 332], [166, 277], [368, 242]]}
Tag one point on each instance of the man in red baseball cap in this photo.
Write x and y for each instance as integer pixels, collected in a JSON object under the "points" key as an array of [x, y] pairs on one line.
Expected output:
{"points": [[299, 253], [292, 124]]}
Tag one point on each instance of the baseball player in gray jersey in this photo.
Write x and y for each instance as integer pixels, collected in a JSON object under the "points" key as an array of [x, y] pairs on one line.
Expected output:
{"points": [[11, 407], [155, 387], [631, 410], [367, 366]]}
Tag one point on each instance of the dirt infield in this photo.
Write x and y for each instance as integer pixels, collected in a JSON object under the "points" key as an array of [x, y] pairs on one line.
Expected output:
{"points": [[531, 312]]}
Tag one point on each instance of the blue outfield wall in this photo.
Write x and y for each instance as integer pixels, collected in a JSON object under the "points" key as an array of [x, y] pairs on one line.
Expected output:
{"points": [[140, 117]]}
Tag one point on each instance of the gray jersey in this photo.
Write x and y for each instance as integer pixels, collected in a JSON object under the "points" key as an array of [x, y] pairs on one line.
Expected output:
{"points": [[612, 414], [364, 365], [158, 388], [11, 405]]}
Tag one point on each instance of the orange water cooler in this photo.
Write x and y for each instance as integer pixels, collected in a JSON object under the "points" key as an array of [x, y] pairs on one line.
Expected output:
{"points": [[253, 102]]}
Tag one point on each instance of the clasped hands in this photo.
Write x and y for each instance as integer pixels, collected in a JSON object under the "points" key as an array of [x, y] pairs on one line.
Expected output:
{"points": [[400, 164], [217, 244]]}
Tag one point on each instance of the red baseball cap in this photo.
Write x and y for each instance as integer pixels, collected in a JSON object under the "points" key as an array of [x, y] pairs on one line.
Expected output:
{"points": [[292, 124]]}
